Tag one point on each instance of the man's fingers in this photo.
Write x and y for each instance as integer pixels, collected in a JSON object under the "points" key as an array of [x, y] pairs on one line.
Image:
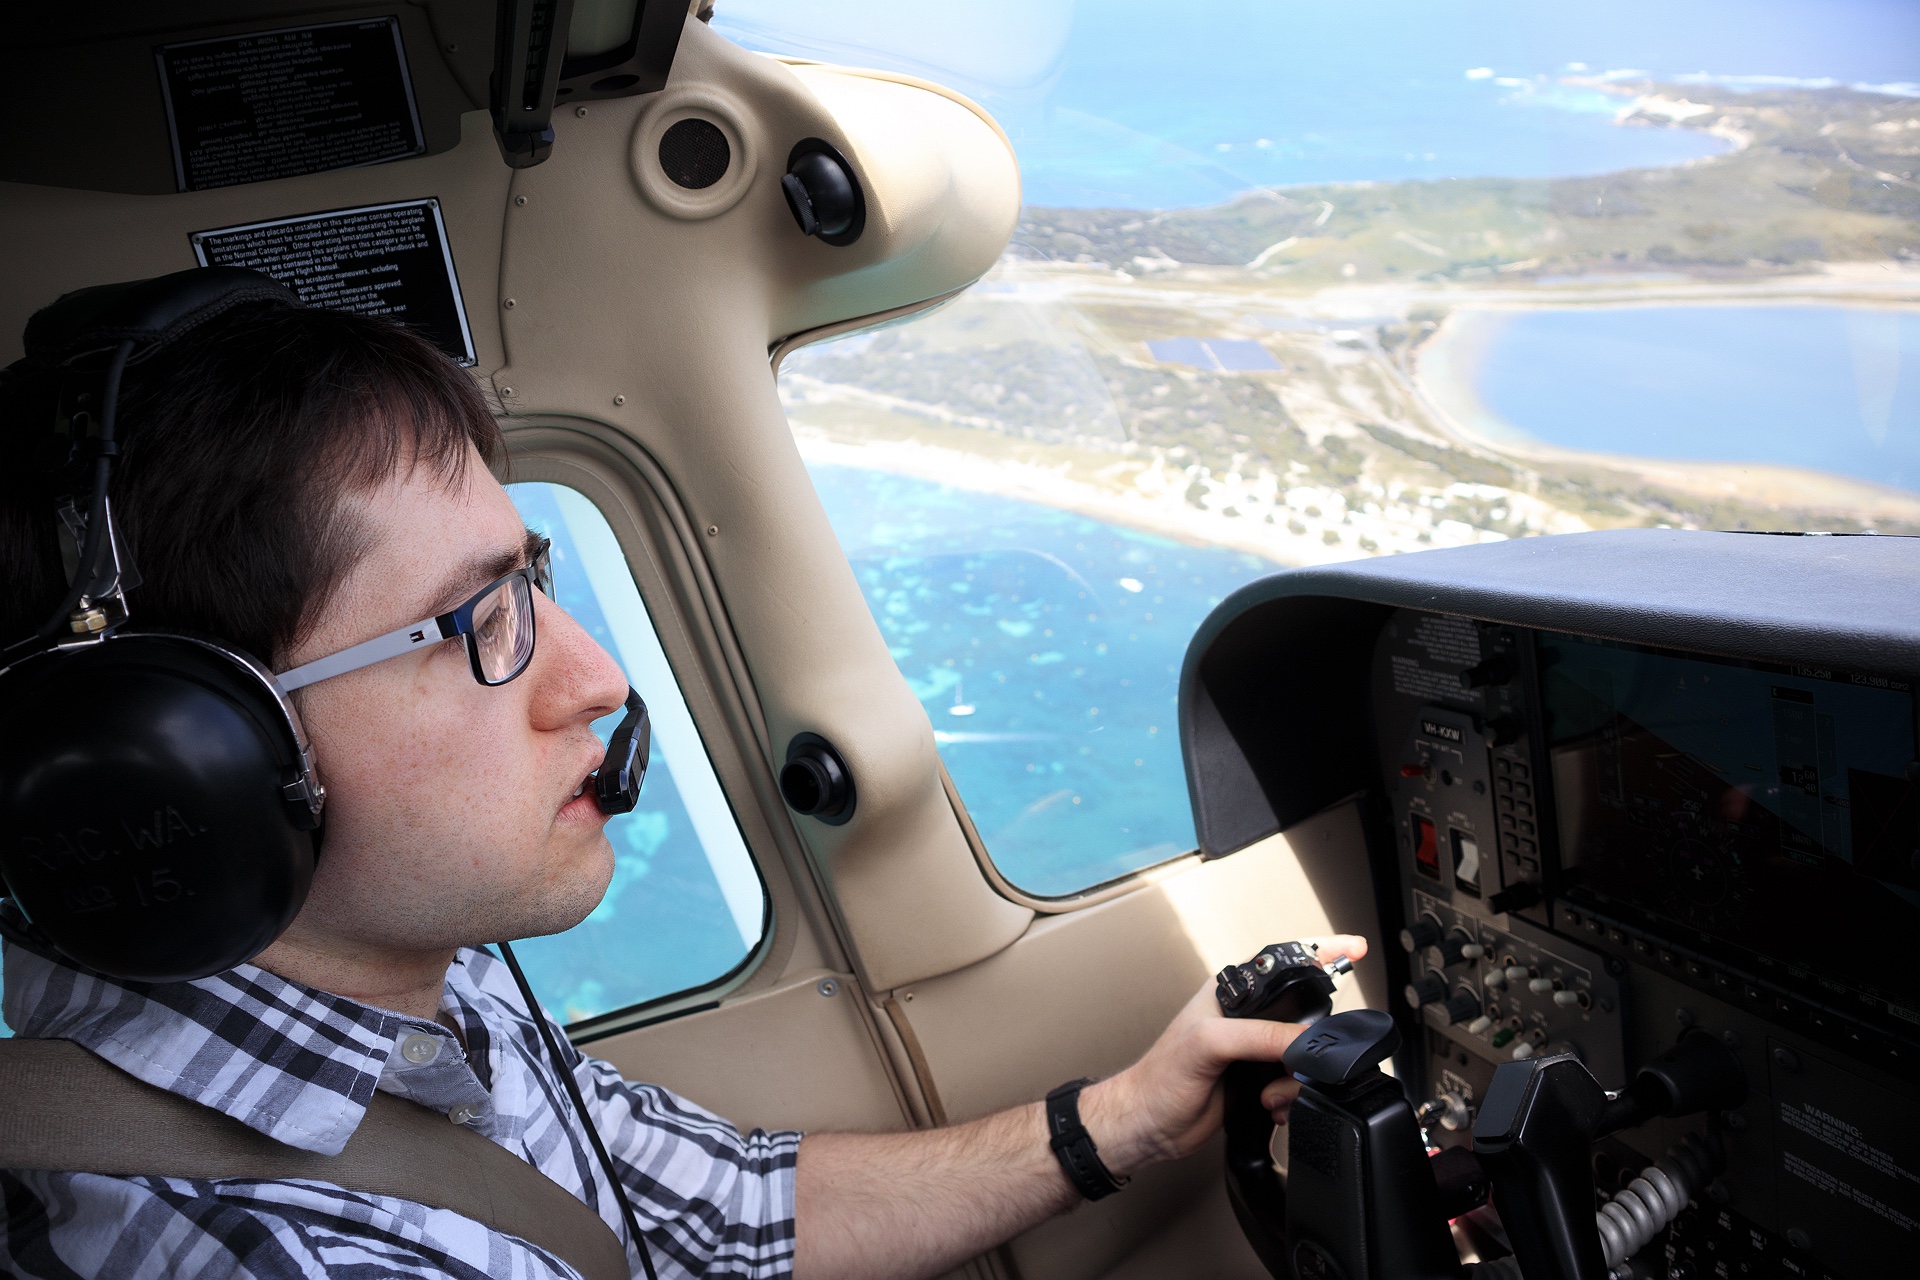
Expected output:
{"points": [[1279, 1095], [1249, 1039], [1350, 945]]}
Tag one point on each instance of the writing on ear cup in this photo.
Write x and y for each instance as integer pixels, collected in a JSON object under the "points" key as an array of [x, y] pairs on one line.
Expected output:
{"points": [[155, 822]]}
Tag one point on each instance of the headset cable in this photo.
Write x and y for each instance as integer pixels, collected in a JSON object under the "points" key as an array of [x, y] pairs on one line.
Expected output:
{"points": [[580, 1109]]}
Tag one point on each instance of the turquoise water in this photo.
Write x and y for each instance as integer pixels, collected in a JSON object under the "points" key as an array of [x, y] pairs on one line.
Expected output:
{"points": [[1831, 388], [1046, 648], [1147, 105], [664, 924]]}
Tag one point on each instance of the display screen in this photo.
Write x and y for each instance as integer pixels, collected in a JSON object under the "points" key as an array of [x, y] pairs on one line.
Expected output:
{"points": [[1774, 810]]}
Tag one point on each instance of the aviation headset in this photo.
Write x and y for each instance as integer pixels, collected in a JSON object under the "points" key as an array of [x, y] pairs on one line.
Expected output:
{"points": [[160, 814]]}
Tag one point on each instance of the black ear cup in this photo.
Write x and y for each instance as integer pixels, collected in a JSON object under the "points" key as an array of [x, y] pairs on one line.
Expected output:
{"points": [[158, 812]]}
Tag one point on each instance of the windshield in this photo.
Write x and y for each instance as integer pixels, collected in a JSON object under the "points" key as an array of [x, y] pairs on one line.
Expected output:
{"points": [[1297, 283]]}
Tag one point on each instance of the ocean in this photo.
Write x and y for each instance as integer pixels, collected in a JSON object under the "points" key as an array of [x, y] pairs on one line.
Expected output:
{"points": [[1046, 648], [1145, 105]]}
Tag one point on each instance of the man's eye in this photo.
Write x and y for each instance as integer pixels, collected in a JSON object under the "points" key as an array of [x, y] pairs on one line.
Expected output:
{"points": [[488, 619]]}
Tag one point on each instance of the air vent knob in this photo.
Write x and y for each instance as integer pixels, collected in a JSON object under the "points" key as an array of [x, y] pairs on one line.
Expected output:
{"points": [[816, 781], [823, 194]]}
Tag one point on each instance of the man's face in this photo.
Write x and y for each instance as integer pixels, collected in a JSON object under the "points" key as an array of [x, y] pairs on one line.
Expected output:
{"points": [[451, 816]]}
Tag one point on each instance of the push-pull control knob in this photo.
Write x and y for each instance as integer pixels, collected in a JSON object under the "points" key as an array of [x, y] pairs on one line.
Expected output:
{"points": [[1424, 932], [1448, 1110], [1459, 945], [1462, 1006], [1422, 992]]}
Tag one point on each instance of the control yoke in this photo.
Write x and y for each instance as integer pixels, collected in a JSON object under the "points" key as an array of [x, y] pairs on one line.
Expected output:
{"points": [[1284, 983], [1362, 1199], [1537, 1127]]}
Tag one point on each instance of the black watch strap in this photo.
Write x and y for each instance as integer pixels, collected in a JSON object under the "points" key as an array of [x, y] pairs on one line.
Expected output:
{"points": [[1073, 1145]]}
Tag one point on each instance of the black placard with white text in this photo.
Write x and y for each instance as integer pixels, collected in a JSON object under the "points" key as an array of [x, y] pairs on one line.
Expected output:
{"points": [[381, 260], [277, 104]]}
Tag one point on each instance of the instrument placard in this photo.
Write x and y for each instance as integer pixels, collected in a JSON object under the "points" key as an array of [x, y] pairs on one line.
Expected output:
{"points": [[277, 104], [379, 260]]}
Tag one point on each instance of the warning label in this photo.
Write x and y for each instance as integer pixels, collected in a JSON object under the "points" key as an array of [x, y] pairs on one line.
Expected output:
{"points": [[1849, 1171], [1416, 681], [381, 260], [277, 104]]}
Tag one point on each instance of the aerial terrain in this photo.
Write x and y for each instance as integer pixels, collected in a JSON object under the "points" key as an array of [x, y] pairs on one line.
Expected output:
{"points": [[1291, 373]]}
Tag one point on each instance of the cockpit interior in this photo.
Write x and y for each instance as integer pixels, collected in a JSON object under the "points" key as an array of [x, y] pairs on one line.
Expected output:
{"points": [[1630, 816]]}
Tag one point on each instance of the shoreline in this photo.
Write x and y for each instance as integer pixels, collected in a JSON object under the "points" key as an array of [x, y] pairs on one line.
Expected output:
{"points": [[1445, 372], [1041, 484]]}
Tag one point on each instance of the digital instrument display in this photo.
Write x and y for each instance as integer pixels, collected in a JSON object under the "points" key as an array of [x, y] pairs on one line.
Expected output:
{"points": [[1770, 810]]}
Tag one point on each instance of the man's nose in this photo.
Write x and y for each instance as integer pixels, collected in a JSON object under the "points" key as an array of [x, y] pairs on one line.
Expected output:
{"points": [[582, 678]]}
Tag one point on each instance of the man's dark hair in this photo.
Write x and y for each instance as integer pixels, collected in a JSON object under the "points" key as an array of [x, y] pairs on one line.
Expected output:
{"points": [[243, 445]]}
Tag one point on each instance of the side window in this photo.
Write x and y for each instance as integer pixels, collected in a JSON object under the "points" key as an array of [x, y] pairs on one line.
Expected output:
{"points": [[1301, 284], [686, 905], [1045, 644]]}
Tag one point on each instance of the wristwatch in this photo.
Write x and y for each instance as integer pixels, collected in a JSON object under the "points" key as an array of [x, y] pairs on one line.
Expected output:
{"points": [[1073, 1145]]}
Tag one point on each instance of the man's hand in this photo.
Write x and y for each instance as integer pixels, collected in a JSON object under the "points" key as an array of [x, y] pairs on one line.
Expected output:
{"points": [[1169, 1103], [899, 1206]]}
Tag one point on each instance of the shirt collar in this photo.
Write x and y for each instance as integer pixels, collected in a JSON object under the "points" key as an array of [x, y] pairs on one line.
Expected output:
{"points": [[293, 1063]]}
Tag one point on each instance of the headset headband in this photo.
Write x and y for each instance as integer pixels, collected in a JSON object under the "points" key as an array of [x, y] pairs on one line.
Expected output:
{"points": [[84, 343]]}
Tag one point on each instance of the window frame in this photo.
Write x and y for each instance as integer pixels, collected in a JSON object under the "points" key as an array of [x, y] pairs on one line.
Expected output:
{"points": [[1094, 894], [657, 539]]}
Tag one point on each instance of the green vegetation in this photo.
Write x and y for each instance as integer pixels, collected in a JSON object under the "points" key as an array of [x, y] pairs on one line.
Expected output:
{"points": [[1819, 176], [1048, 372]]}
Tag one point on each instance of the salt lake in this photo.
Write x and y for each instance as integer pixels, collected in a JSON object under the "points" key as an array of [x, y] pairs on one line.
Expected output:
{"points": [[1830, 388]]}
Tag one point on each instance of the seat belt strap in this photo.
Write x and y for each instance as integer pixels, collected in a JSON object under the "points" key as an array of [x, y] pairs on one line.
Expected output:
{"points": [[68, 1110]]}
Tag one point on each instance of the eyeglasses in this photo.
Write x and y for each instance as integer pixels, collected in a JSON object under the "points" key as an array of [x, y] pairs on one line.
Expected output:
{"points": [[496, 622]]}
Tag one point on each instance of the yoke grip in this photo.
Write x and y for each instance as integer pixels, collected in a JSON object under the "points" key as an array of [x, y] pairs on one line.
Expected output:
{"points": [[1283, 983]]}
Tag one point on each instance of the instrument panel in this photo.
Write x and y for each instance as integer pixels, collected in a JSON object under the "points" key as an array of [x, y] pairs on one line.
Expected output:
{"points": [[1600, 846]]}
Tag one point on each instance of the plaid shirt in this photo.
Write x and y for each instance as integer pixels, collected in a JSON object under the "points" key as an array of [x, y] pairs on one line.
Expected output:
{"points": [[300, 1065]]}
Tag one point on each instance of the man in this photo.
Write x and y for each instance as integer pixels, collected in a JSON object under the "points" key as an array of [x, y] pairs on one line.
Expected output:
{"points": [[296, 482]]}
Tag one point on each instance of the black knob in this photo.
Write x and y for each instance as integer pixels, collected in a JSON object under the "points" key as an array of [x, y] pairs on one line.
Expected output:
{"points": [[1463, 1006], [1452, 948], [1495, 670], [1425, 991], [1424, 932], [823, 194], [1515, 897], [1503, 729], [816, 781]]}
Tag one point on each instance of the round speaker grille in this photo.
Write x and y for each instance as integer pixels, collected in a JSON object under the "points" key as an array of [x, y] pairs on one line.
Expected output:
{"points": [[694, 153]]}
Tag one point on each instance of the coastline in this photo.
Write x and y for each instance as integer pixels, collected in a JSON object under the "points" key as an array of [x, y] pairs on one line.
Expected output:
{"points": [[1343, 332], [1446, 371]]}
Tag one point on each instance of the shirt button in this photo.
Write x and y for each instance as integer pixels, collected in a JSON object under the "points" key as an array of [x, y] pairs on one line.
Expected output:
{"points": [[419, 1049], [462, 1114]]}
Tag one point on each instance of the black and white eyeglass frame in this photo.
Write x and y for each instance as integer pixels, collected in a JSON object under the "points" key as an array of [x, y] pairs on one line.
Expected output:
{"points": [[537, 573], [616, 784]]}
